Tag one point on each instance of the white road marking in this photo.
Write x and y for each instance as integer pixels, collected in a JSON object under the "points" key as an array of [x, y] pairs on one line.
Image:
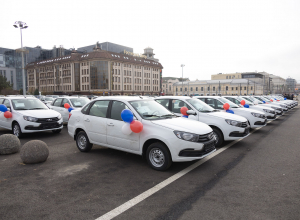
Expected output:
{"points": [[127, 205]]}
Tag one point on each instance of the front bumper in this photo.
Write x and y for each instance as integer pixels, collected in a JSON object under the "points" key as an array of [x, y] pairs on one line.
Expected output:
{"points": [[261, 122], [238, 134], [29, 127], [208, 147]]}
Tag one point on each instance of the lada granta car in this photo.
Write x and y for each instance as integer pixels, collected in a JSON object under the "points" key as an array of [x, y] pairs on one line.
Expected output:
{"points": [[165, 137], [29, 115]]}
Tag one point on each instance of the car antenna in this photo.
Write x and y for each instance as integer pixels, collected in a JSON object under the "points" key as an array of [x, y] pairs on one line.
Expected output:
{"points": [[141, 97]]}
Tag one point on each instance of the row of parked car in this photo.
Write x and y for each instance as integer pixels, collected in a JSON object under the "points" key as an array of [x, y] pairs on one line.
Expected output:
{"points": [[166, 136]]}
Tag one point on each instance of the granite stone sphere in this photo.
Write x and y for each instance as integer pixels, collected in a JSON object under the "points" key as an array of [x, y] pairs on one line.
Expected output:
{"points": [[9, 144], [34, 152]]}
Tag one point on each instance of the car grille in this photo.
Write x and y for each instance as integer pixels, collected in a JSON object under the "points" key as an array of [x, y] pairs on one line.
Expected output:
{"points": [[47, 120], [205, 137]]}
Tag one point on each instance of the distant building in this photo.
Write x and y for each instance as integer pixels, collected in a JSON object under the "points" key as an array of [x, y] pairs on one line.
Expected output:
{"points": [[291, 85], [108, 46], [98, 72], [10, 74], [218, 87], [167, 85]]}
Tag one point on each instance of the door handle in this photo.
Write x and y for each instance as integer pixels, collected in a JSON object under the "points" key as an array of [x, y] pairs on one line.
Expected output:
{"points": [[110, 124], [87, 120]]}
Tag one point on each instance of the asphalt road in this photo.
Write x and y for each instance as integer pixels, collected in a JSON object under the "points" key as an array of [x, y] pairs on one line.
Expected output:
{"points": [[256, 178]]}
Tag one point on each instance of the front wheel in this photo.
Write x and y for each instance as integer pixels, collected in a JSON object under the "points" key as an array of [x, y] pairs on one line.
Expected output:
{"points": [[219, 137], [17, 130], [82, 142], [158, 156]]}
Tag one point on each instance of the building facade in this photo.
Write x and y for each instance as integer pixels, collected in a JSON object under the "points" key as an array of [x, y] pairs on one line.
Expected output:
{"points": [[291, 85], [98, 72], [217, 87], [167, 86], [10, 74]]}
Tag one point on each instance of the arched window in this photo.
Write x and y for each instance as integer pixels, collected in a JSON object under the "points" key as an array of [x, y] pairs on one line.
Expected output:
{"points": [[191, 88]]}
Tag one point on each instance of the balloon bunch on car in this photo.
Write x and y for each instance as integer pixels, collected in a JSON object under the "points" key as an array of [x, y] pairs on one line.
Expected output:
{"points": [[243, 103], [130, 125], [183, 111], [226, 106], [7, 114], [67, 106]]}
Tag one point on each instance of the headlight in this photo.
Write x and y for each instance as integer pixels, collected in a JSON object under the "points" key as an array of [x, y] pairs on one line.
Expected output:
{"points": [[187, 136], [234, 123], [28, 118], [257, 115], [274, 108], [59, 116], [269, 111]]}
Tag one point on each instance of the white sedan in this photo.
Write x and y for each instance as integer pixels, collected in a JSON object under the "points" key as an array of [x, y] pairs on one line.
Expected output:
{"points": [[29, 115], [74, 102], [165, 137]]}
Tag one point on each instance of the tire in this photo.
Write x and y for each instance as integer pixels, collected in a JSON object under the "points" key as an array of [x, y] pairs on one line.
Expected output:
{"points": [[158, 156], [56, 131], [219, 136], [16, 129], [82, 142]]}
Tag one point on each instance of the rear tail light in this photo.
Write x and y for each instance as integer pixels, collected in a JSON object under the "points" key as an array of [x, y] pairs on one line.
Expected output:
{"points": [[70, 115]]}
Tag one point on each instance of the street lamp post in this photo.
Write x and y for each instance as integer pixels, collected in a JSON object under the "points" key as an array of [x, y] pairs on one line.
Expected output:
{"points": [[22, 25], [182, 65]]}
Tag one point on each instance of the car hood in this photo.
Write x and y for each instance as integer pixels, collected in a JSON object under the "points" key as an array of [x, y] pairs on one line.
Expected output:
{"points": [[184, 124], [247, 110], [47, 113], [225, 115]]}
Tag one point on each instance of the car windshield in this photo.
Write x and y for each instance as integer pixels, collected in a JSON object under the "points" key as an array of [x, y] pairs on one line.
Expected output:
{"points": [[200, 106], [48, 99], [79, 102], [28, 104], [231, 104], [151, 110], [248, 101]]}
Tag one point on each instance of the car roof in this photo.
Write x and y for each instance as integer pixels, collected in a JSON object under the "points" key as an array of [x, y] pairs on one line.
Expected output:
{"points": [[20, 97], [173, 97], [121, 98]]}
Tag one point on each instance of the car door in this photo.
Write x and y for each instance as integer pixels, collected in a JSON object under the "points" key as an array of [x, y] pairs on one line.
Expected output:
{"points": [[63, 111], [56, 104], [95, 122], [2, 118], [115, 136]]}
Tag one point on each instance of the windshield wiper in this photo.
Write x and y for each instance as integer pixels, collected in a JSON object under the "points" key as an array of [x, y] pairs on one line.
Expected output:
{"points": [[151, 115], [168, 115], [21, 109]]}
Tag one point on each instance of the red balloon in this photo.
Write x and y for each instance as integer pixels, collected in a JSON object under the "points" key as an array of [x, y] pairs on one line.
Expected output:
{"points": [[183, 110], [243, 102], [226, 106], [7, 114], [136, 126], [271, 100], [278, 100], [66, 105]]}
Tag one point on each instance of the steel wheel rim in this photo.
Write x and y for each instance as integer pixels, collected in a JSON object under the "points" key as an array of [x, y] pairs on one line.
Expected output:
{"points": [[81, 141], [16, 130], [216, 136], [156, 157]]}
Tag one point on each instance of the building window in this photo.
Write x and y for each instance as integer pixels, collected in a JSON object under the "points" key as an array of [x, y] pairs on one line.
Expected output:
{"points": [[226, 88], [191, 89], [196, 88], [236, 88], [214, 88], [180, 89], [185, 89], [226, 77], [201, 88]]}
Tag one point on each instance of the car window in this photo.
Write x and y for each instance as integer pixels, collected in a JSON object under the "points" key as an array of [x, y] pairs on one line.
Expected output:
{"points": [[163, 102], [210, 102], [85, 109], [99, 108], [116, 109], [28, 104], [79, 102], [202, 99], [57, 102], [65, 101], [1, 101], [6, 103], [178, 104]]}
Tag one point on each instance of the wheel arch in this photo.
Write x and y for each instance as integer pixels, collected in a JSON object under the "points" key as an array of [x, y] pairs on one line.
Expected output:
{"points": [[77, 131], [151, 141]]}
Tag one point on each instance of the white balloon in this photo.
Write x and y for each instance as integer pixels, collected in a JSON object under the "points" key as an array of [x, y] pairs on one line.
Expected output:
{"points": [[126, 129]]}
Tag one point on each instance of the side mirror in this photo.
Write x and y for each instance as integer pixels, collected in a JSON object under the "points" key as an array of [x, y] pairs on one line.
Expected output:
{"points": [[9, 109], [191, 112]]}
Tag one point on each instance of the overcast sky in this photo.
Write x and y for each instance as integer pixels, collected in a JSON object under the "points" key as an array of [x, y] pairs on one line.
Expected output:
{"points": [[208, 36]]}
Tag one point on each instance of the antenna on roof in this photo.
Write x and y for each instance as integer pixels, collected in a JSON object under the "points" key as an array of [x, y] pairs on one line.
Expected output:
{"points": [[141, 97]]}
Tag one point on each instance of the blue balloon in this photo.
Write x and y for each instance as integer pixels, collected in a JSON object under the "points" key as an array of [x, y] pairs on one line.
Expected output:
{"points": [[185, 116], [264, 101], [275, 99], [127, 115], [284, 98], [230, 111], [3, 108], [246, 106], [70, 109]]}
